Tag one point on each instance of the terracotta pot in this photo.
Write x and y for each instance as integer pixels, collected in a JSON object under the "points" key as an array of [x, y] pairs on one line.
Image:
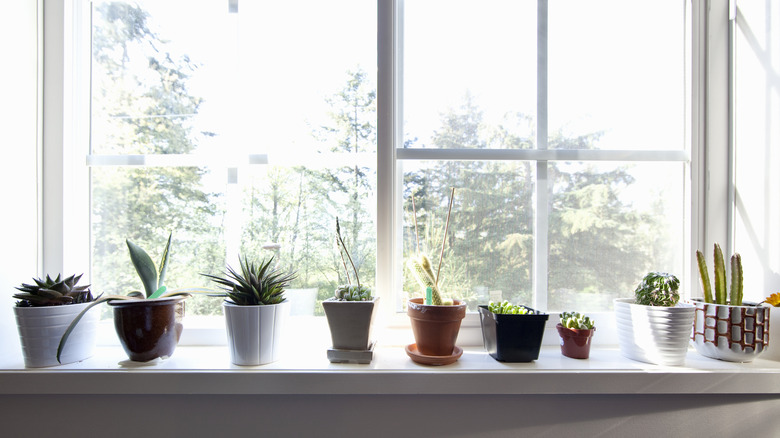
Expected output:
{"points": [[575, 343], [731, 333], [435, 327], [149, 329]]}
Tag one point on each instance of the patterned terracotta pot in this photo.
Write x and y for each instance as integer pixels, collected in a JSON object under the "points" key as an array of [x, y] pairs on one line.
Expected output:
{"points": [[732, 333]]}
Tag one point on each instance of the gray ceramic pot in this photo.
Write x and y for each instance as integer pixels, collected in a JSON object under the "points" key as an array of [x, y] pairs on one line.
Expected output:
{"points": [[350, 323]]}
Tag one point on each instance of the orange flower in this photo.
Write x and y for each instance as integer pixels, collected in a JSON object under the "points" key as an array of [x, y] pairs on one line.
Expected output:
{"points": [[773, 299]]}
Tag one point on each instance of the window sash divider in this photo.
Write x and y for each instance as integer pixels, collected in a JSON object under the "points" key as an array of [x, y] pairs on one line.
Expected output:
{"points": [[542, 155]]}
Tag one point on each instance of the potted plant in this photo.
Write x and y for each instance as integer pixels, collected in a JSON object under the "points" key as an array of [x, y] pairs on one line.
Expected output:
{"points": [[512, 333], [727, 328], [43, 312], [148, 324], [255, 310], [654, 327], [435, 320], [350, 313], [576, 331]]}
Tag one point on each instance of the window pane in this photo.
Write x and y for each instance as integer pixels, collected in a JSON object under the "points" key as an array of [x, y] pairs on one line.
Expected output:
{"points": [[610, 224], [489, 247], [293, 80], [616, 74], [481, 53]]}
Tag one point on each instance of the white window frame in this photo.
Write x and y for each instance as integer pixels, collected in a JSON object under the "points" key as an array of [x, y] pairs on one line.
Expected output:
{"points": [[65, 236]]}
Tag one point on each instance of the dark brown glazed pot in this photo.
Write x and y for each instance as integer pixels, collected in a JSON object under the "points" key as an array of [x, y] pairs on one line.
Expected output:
{"points": [[575, 343], [149, 329], [435, 327]]}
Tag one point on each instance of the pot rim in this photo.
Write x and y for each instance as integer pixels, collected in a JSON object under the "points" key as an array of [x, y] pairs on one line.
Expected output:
{"points": [[631, 301], [577, 332], [748, 304], [334, 300], [226, 303], [147, 302], [456, 303]]}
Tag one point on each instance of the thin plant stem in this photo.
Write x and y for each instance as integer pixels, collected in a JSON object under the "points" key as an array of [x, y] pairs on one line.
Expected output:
{"points": [[338, 233], [416, 234], [444, 238]]}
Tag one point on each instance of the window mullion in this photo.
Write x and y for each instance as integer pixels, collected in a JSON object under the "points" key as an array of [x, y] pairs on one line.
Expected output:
{"points": [[541, 213]]}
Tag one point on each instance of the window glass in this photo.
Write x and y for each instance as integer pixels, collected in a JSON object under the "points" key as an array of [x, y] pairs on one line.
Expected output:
{"points": [[616, 69], [483, 52], [488, 252], [610, 224], [269, 110]]}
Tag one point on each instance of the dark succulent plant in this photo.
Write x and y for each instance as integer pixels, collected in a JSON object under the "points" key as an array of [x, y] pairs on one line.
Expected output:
{"points": [[256, 284], [658, 289], [54, 292]]}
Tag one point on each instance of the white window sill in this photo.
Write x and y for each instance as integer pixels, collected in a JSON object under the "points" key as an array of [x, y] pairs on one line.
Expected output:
{"points": [[207, 370]]}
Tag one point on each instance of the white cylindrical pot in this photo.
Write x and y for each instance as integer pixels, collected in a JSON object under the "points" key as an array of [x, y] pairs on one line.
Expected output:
{"points": [[732, 333], [41, 328], [654, 334], [254, 332]]}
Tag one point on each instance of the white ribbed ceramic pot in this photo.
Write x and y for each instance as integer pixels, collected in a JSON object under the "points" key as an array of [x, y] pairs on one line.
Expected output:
{"points": [[653, 334], [732, 333], [40, 330], [254, 332]]}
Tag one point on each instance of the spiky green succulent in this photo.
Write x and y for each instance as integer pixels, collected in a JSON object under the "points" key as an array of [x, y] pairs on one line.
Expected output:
{"points": [[576, 320], [256, 284], [658, 289], [348, 292], [54, 292]]}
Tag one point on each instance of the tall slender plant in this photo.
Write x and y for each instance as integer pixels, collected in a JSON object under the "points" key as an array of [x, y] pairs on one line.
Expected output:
{"points": [[349, 292], [735, 291]]}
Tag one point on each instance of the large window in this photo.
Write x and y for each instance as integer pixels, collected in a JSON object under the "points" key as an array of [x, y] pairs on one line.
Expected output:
{"points": [[247, 128], [562, 125], [244, 129]]}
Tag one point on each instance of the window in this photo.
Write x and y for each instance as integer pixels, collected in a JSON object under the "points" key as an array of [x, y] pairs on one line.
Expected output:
{"points": [[565, 128], [248, 138]]}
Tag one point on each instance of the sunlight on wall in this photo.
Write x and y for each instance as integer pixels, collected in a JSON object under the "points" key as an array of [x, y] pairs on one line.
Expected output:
{"points": [[757, 233]]}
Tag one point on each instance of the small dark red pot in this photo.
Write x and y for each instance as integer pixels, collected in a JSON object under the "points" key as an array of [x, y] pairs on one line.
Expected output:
{"points": [[149, 329], [575, 343]]}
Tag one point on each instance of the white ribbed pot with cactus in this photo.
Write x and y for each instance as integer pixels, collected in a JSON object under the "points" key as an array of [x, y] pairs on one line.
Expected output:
{"points": [[654, 327], [725, 327]]}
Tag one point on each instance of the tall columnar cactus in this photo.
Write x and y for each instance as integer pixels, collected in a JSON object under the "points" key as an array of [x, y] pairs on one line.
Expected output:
{"points": [[658, 289], [422, 270], [735, 291]]}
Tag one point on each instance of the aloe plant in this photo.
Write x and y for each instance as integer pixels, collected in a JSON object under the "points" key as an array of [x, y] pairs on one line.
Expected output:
{"points": [[735, 291], [152, 277]]}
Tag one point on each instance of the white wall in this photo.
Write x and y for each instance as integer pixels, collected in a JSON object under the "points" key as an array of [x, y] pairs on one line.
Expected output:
{"points": [[18, 167], [392, 416], [757, 176]]}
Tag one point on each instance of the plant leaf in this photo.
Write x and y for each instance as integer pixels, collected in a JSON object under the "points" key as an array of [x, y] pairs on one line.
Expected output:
{"points": [[78, 317], [144, 266], [164, 262], [158, 293]]}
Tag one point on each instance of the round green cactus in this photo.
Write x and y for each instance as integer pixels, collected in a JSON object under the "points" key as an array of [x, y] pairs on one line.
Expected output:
{"points": [[658, 289]]}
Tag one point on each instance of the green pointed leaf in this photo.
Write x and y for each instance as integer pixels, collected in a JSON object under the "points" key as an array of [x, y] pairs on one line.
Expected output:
{"points": [[78, 317], [164, 262], [144, 266]]}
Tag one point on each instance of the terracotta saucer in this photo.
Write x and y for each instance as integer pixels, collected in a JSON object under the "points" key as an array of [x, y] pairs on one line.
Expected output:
{"points": [[424, 359]]}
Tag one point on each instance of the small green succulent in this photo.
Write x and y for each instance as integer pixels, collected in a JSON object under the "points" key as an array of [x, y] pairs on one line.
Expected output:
{"points": [[348, 292], [256, 284], [53, 292], [507, 308], [658, 289], [576, 320]]}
